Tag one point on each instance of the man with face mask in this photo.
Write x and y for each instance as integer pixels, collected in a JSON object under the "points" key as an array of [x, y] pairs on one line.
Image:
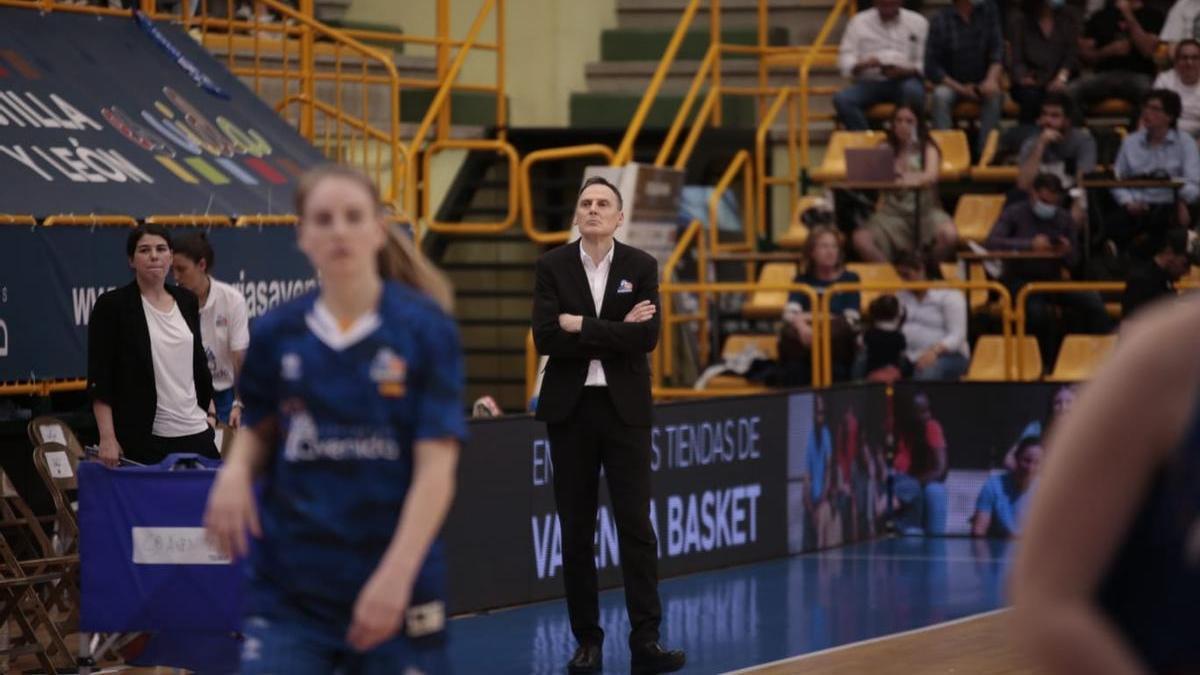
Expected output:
{"points": [[1041, 225]]}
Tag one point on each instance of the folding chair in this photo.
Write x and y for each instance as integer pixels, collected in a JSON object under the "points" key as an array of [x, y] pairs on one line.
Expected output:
{"points": [[48, 429], [21, 602]]}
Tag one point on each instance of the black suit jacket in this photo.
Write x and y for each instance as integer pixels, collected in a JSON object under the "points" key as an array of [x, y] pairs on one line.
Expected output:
{"points": [[121, 368], [562, 288]]}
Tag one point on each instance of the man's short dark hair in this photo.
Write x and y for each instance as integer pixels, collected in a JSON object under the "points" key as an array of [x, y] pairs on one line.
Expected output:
{"points": [[141, 231], [1060, 100], [601, 180], [1048, 181], [1170, 101]]}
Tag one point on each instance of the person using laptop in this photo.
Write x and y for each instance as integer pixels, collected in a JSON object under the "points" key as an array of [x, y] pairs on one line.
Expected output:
{"points": [[909, 219]]}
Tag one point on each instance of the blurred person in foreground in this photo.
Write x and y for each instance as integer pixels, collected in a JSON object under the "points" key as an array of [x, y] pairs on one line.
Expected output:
{"points": [[1107, 579]]}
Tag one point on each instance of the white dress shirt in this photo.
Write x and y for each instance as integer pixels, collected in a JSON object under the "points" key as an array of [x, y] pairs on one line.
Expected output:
{"points": [[899, 42], [597, 278]]}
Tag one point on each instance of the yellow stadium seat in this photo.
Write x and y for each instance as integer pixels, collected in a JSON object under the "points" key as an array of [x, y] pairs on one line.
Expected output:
{"points": [[767, 343], [869, 272], [1080, 355], [833, 164], [1111, 107], [956, 153], [986, 170], [797, 232], [976, 214], [769, 304], [987, 360]]}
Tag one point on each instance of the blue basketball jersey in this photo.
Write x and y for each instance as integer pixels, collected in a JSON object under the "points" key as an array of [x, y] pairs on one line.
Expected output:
{"points": [[1151, 591], [349, 405]]}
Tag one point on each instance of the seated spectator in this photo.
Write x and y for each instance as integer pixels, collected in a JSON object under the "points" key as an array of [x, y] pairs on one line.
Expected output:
{"points": [[964, 58], [893, 228], [1118, 43], [883, 341], [1184, 79], [824, 265], [147, 373], [935, 324], [224, 322], [1060, 149], [921, 463], [1041, 225], [1153, 279], [883, 51], [1157, 150], [1000, 508], [1181, 23], [1045, 53]]}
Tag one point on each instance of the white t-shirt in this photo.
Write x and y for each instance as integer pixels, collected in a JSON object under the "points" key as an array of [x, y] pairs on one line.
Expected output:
{"points": [[224, 329], [939, 317], [899, 42], [1181, 22], [1189, 120], [177, 412]]}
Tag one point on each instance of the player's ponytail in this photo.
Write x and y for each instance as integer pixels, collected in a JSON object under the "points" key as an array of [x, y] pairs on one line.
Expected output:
{"points": [[400, 259]]}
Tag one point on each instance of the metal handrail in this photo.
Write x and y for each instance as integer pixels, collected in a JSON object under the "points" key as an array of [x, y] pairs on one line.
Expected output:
{"points": [[261, 220], [514, 178], [527, 192], [1050, 287], [92, 219], [625, 150], [839, 7], [689, 99], [722, 287], [891, 286], [740, 161], [184, 220]]}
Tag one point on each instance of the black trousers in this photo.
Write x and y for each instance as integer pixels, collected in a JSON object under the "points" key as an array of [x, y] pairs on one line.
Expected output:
{"points": [[596, 437], [202, 444]]}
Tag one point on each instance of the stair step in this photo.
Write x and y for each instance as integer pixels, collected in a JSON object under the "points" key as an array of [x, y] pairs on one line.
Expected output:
{"points": [[606, 109], [734, 13], [466, 107], [639, 44], [634, 76]]}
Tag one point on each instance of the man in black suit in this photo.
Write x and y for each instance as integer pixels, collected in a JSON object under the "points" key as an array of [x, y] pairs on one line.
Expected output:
{"points": [[595, 315]]}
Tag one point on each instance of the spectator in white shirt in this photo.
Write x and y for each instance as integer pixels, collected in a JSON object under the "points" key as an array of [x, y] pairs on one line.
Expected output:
{"points": [[883, 51], [224, 322], [1184, 79], [935, 324], [1183, 22]]}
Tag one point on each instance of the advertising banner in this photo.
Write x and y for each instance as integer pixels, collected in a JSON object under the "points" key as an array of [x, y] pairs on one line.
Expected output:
{"points": [[50, 278], [724, 476], [123, 116]]}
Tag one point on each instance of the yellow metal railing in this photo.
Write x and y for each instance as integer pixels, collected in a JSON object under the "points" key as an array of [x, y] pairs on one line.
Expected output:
{"points": [[840, 8], [741, 163], [525, 182], [1053, 287], [669, 318]]}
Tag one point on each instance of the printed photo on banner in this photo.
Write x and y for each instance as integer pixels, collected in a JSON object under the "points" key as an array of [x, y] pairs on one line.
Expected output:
{"points": [[955, 476]]}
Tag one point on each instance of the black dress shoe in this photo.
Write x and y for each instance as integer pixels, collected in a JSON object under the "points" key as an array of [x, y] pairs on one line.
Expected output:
{"points": [[652, 658], [588, 658]]}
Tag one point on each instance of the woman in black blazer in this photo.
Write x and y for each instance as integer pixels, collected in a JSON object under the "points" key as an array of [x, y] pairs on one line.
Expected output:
{"points": [[147, 371]]}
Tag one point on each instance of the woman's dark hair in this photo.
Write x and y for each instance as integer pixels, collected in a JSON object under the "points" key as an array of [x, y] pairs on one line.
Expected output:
{"points": [[140, 231], [923, 138], [196, 247]]}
